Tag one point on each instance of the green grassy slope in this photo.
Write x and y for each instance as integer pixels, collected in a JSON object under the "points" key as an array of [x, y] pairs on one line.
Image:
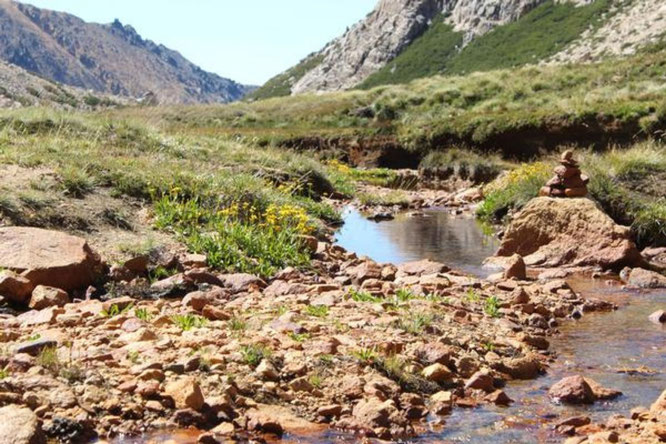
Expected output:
{"points": [[578, 104], [542, 32], [539, 34], [427, 56], [281, 84]]}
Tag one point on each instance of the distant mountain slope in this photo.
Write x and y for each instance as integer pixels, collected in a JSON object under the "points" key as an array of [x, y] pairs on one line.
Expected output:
{"points": [[109, 58], [19, 88], [402, 40]]}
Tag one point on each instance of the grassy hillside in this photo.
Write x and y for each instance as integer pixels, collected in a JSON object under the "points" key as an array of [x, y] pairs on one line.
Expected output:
{"points": [[427, 56], [280, 85], [519, 111], [539, 34]]}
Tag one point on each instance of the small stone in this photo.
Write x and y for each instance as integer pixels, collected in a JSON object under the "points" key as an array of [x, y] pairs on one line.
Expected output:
{"points": [[35, 347], [481, 380], [267, 371], [214, 313], [498, 397], [658, 317], [572, 390], [437, 373], [138, 264], [330, 411], [44, 297], [442, 402], [186, 393], [516, 268]]}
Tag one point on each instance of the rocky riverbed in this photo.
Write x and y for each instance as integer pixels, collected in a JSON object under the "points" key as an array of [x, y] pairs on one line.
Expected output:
{"points": [[372, 349]]}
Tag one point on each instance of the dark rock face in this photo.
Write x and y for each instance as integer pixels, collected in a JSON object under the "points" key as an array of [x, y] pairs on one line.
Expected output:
{"points": [[111, 58]]}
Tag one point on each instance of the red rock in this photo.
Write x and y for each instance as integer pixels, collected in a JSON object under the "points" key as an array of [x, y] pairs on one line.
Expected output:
{"points": [[481, 380], [374, 412], [423, 267], [39, 317], [49, 257], [239, 282], [572, 390], [516, 268], [15, 288], [214, 313], [138, 264], [575, 232], [44, 297], [600, 392], [498, 397], [186, 393], [659, 405]]}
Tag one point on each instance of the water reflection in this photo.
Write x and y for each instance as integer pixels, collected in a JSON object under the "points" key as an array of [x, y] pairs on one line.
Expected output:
{"points": [[457, 241]]}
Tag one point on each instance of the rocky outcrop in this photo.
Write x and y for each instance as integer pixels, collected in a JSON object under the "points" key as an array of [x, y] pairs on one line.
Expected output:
{"points": [[552, 232], [49, 258], [111, 58]]}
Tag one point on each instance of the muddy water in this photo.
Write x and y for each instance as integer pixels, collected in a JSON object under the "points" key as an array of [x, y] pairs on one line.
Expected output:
{"points": [[598, 346]]}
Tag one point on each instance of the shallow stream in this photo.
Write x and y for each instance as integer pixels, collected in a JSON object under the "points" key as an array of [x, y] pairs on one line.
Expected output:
{"points": [[599, 346]]}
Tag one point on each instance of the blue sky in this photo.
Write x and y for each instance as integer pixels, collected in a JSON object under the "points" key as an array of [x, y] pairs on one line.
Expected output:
{"points": [[246, 40]]}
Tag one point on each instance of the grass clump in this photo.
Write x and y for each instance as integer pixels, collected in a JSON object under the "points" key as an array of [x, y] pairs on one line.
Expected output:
{"points": [[189, 321], [463, 164], [363, 296], [416, 323], [317, 311], [390, 198], [513, 190], [492, 306], [254, 354]]}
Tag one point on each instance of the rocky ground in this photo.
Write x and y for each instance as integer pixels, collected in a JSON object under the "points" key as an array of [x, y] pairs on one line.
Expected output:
{"points": [[369, 348]]}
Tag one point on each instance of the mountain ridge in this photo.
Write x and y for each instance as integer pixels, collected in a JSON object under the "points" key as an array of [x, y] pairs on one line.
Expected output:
{"points": [[111, 58]]}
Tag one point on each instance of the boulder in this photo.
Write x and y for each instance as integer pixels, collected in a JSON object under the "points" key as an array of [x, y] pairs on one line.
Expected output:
{"points": [[49, 258], [552, 232], [572, 390], [239, 282], [437, 373], [44, 297], [642, 278], [19, 425]]}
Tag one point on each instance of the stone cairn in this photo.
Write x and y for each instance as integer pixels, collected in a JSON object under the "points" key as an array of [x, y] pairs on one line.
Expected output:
{"points": [[568, 180]]}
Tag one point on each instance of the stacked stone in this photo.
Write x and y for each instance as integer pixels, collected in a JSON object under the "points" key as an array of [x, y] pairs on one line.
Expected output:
{"points": [[568, 180]]}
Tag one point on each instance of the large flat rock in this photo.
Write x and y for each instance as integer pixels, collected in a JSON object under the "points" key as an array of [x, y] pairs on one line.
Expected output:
{"points": [[49, 258], [19, 425], [552, 232]]}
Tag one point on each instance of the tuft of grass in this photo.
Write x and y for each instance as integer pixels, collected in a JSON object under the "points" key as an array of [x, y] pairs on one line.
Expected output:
{"points": [[318, 311], [491, 307], [48, 358], [4, 373], [299, 337], [76, 182], [143, 314], [254, 354], [463, 164], [390, 198], [115, 310], [237, 324], [189, 321], [363, 296], [416, 323], [366, 355]]}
